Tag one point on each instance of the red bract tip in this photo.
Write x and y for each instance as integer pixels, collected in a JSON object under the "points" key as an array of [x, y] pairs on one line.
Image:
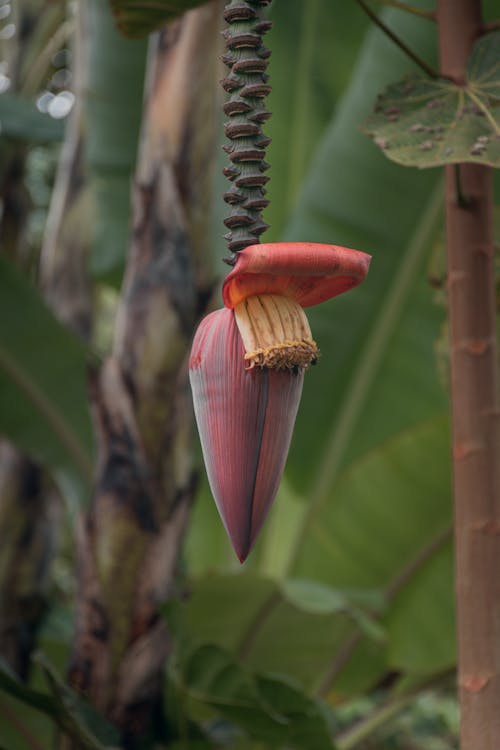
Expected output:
{"points": [[307, 272], [245, 419]]}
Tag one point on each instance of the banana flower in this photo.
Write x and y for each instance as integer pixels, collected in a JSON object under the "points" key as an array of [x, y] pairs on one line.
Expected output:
{"points": [[247, 368]]}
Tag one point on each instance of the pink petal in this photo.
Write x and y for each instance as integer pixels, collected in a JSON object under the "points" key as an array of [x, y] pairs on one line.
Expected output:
{"points": [[308, 272], [245, 419]]}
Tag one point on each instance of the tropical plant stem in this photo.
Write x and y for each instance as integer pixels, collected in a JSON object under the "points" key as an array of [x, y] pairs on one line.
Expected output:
{"points": [[397, 40], [475, 411], [247, 86]]}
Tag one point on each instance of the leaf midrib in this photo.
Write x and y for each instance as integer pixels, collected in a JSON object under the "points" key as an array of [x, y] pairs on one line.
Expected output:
{"points": [[54, 417]]}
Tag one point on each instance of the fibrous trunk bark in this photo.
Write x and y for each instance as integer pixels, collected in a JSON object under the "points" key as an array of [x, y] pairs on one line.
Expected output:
{"points": [[129, 543], [475, 410]]}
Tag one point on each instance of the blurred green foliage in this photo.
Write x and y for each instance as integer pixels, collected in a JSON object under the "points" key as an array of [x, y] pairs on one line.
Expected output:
{"points": [[345, 608]]}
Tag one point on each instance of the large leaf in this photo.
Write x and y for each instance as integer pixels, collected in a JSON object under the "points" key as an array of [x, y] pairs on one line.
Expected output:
{"points": [[43, 394], [314, 46], [425, 605], [370, 453], [376, 376], [290, 629], [428, 123], [267, 707]]}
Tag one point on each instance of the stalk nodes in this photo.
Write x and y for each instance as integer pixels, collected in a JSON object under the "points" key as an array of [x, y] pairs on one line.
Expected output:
{"points": [[247, 85]]}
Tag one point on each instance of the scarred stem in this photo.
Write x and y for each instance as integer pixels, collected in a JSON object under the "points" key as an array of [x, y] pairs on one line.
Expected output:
{"points": [[396, 39], [247, 85], [475, 410]]}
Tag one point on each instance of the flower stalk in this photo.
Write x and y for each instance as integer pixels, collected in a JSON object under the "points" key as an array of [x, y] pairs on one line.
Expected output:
{"points": [[248, 360], [247, 86]]}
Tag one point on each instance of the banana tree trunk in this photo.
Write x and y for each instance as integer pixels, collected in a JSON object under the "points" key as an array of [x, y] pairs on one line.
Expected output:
{"points": [[129, 543]]}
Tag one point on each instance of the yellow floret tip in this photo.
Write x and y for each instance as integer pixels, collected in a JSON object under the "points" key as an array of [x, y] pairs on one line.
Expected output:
{"points": [[284, 356]]}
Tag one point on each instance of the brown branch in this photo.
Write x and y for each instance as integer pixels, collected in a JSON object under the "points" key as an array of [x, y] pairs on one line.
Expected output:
{"points": [[340, 660], [252, 632], [400, 580], [397, 40], [475, 411]]}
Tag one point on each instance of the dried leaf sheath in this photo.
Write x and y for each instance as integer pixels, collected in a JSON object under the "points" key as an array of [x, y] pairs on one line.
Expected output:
{"points": [[245, 419]]}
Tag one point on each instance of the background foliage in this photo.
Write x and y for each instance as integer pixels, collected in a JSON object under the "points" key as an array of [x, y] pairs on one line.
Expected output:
{"points": [[344, 612]]}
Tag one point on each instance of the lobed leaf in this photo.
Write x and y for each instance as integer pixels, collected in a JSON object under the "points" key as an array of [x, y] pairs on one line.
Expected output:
{"points": [[430, 123]]}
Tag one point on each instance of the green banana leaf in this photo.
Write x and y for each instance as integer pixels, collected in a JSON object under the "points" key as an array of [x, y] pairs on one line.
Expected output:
{"points": [[314, 46], [43, 392], [269, 708], [370, 453]]}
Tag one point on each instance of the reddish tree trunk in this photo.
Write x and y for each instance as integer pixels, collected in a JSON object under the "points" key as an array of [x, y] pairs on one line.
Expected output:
{"points": [[474, 379]]}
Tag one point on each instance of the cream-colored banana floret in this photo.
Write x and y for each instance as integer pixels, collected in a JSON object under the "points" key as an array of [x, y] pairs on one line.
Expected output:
{"points": [[275, 332]]}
